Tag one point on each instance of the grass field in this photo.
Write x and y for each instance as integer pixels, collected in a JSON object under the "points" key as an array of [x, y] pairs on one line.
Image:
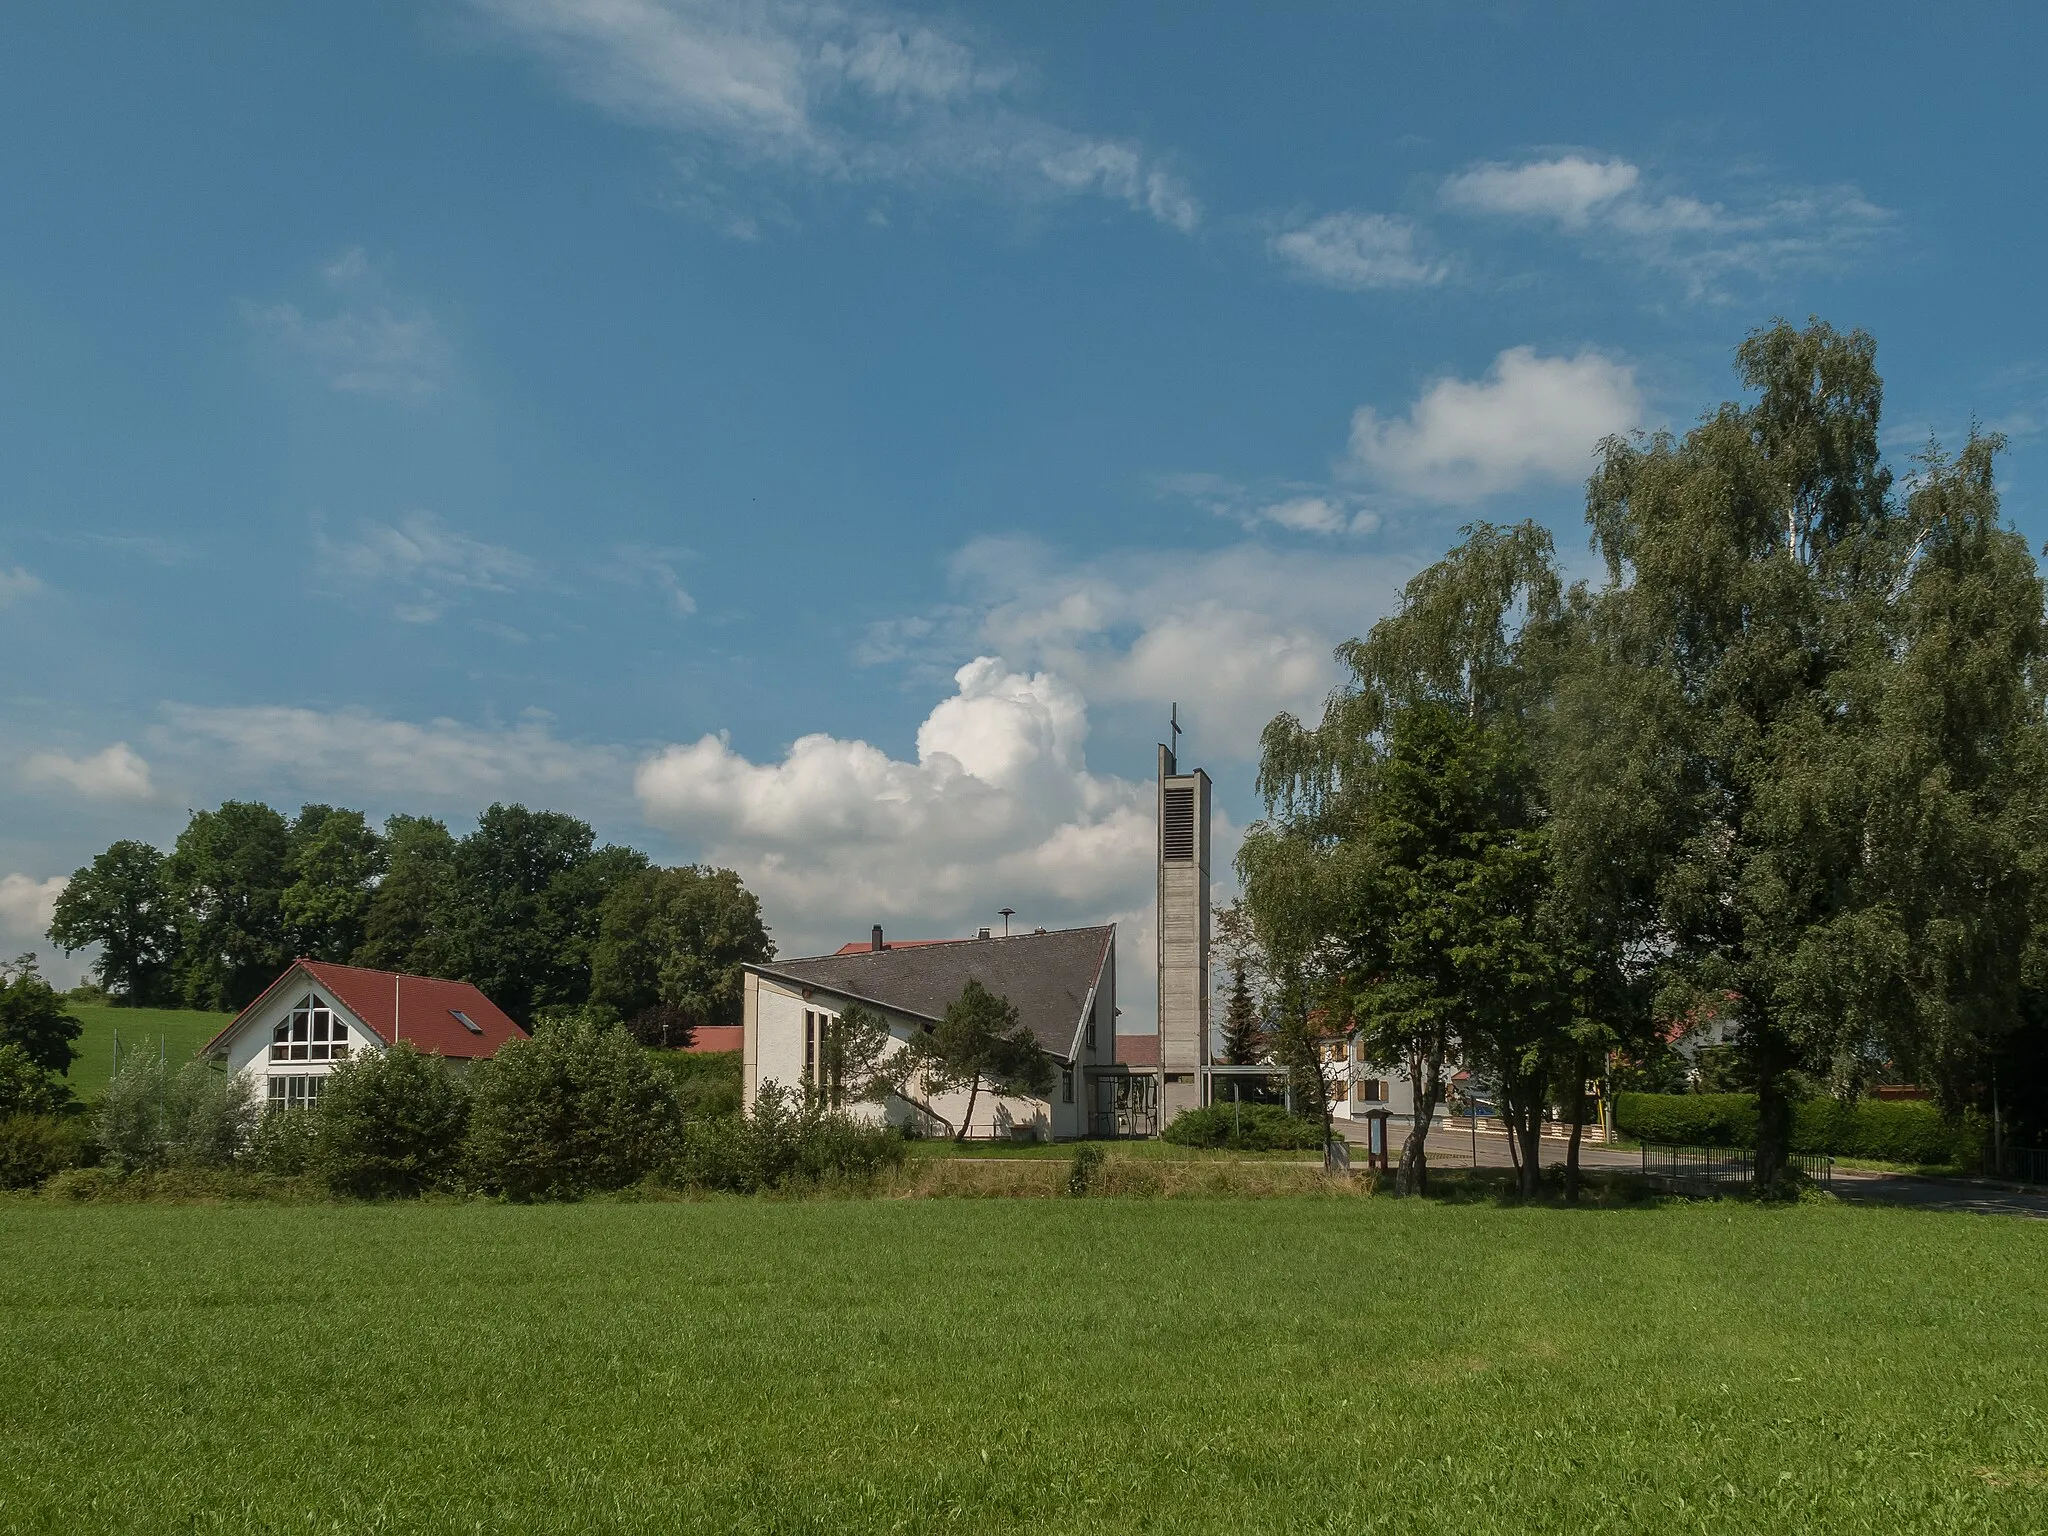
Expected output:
{"points": [[1087, 1366], [179, 1031]]}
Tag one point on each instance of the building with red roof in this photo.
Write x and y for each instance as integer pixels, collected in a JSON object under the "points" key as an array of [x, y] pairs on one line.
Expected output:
{"points": [[317, 1015]]}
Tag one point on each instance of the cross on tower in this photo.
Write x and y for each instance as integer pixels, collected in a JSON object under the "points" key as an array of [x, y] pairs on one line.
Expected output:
{"points": [[1173, 724]]}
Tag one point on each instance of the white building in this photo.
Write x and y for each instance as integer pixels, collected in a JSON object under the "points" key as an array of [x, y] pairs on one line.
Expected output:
{"points": [[316, 1016], [1062, 984]]}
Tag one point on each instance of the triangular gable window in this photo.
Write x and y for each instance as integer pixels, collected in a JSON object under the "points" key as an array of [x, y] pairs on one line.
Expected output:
{"points": [[310, 1032]]}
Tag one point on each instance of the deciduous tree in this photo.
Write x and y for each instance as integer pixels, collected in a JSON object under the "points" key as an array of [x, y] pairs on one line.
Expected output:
{"points": [[119, 902]]}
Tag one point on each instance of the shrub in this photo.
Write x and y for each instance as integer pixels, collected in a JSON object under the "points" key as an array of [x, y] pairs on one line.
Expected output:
{"points": [[1082, 1171], [210, 1116], [284, 1142], [705, 1083], [34, 1147], [575, 1108], [783, 1142], [1688, 1119], [27, 1087], [388, 1123], [130, 1126], [1245, 1128]]}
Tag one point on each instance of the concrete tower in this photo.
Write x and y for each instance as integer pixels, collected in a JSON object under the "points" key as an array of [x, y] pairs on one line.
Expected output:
{"points": [[1183, 933]]}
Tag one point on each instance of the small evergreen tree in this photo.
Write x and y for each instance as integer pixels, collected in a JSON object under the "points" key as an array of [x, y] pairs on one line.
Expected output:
{"points": [[980, 1044], [1242, 1037]]}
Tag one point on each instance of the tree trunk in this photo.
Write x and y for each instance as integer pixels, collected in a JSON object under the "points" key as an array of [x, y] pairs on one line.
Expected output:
{"points": [[973, 1091], [1426, 1078], [1773, 1128]]}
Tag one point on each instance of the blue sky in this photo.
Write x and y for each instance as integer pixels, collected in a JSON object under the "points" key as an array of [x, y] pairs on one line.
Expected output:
{"points": [[824, 438]]}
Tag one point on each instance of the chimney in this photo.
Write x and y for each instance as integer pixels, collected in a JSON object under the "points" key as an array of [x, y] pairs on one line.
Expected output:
{"points": [[875, 944], [982, 934]]}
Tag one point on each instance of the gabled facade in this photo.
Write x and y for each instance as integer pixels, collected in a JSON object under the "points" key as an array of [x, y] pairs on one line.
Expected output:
{"points": [[316, 1016], [1063, 985]]}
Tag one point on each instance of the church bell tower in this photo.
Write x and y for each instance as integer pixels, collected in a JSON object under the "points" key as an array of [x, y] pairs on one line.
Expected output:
{"points": [[1183, 931]]}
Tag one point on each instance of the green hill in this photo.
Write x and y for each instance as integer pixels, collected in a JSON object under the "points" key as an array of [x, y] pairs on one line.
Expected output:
{"points": [[178, 1032]]}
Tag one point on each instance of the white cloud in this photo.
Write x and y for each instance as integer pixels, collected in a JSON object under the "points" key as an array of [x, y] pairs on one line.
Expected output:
{"points": [[1568, 190], [1357, 250], [998, 809], [1760, 233], [17, 584], [420, 564], [649, 567], [1294, 507], [371, 342], [26, 907], [113, 773], [1233, 635], [1531, 419], [357, 750], [840, 92]]}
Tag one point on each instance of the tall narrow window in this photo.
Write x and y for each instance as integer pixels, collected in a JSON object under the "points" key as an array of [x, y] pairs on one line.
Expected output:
{"points": [[810, 1050], [1066, 1085]]}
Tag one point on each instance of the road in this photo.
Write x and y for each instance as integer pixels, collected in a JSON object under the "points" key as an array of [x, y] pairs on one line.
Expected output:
{"points": [[1984, 1197]]}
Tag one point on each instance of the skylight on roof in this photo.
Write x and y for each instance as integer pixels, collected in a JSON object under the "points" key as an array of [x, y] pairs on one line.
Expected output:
{"points": [[466, 1021]]}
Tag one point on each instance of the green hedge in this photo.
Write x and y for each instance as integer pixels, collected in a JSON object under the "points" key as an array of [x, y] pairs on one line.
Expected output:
{"points": [[1245, 1128], [1895, 1131]]}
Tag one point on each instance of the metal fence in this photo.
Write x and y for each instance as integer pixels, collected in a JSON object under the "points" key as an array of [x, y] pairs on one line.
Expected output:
{"points": [[2029, 1165], [1723, 1167]]}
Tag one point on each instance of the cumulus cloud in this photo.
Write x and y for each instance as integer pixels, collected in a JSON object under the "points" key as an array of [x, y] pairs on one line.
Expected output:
{"points": [[113, 773], [421, 563], [1758, 232], [26, 907], [353, 749], [836, 92], [1234, 635], [369, 340], [1357, 250], [1530, 419], [998, 809]]}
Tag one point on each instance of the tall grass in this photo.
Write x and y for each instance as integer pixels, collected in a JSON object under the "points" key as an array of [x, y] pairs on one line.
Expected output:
{"points": [[1059, 1365]]}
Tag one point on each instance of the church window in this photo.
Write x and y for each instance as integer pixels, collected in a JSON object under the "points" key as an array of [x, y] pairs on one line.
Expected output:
{"points": [[1066, 1085]]}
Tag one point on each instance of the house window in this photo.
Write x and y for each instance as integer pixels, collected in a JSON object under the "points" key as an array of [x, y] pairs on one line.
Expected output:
{"points": [[297, 1091], [1369, 1090], [824, 1065], [1091, 1031], [310, 1032], [1066, 1085]]}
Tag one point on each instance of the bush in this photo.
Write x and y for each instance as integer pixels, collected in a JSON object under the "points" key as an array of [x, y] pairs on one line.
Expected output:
{"points": [[388, 1123], [1084, 1169], [1895, 1132], [34, 1147], [284, 1142], [576, 1108], [28, 1088], [705, 1083], [1688, 1119], [783, 1142], [1245, 1128], [197, 1117]]}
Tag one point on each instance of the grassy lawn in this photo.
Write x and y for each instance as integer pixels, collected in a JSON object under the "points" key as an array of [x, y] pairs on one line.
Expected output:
{"points": [[1086, 1366], [179, 1032]]}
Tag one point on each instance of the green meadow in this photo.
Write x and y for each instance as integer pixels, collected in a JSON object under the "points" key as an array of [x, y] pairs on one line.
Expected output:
{"points": [[1093, 1366], [177, 1032]]}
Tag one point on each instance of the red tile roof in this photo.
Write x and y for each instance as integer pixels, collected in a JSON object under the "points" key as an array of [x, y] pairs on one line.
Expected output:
{"points": [[866, 946], [419, 1009], [717, 1037], [1138, 1050]]}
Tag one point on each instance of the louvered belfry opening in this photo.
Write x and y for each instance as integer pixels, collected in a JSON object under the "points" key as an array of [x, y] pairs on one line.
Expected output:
{"points": [[1177, 824]]}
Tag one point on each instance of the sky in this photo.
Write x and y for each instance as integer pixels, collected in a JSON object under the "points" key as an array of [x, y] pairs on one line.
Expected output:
{"points": [[824, 439]]}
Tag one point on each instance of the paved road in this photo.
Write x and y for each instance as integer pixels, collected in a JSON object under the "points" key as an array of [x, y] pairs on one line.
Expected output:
{"points": [[1984, 1197]]}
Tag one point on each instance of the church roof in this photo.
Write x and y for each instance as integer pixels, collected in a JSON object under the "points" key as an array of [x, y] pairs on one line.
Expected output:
{"points": [[1046, 977]]}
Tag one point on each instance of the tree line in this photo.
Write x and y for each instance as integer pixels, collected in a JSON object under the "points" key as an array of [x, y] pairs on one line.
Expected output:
{"points": [[1782, 767], [528, 906]]}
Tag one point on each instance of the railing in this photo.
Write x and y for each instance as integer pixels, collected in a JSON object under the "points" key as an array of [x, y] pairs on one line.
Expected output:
{"points": [[2029, 1165], [1719, 1167]]}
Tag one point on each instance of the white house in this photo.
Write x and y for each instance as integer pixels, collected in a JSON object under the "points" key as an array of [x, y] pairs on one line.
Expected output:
{"points": [[316, 1016], [1062, 984]]}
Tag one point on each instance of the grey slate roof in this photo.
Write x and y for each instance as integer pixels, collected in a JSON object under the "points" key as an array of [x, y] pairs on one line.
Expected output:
{"points": [[1046, 976]]}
